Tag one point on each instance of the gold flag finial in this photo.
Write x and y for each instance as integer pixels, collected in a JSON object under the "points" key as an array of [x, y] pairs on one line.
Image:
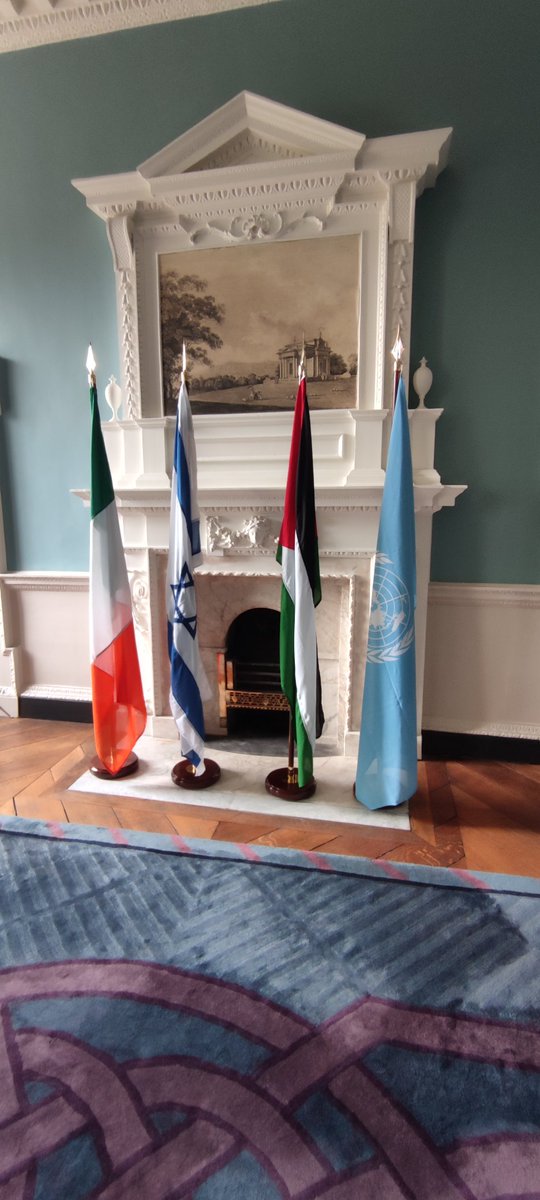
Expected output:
{"points": [[91, 366], [397, 350]]}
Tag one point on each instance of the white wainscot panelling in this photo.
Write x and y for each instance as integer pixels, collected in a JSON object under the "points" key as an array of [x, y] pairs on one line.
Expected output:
{"points": [[482, 651], [47, 618], [9, 653], [482, 655]]}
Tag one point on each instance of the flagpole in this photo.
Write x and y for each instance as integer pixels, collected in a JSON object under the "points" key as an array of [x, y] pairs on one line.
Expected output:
{"points": [[184, 773], [98, 767], [283, 782], [91, 368], [291, 778], [387, 771]]}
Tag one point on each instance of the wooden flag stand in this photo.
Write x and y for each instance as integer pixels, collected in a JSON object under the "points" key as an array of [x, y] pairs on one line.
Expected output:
{"points": [[100, 771], [183, 774], [283, 782]]}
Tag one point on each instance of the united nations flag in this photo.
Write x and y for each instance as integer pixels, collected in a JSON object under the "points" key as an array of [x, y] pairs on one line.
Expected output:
{"points": [[387, 760]]}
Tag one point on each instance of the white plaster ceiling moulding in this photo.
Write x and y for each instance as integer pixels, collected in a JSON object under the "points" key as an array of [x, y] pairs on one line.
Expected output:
{"points": [[25, 23]]}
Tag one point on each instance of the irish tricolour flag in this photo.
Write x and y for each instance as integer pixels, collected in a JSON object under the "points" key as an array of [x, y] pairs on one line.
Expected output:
{"points": [[117, 697], [298, 554]]}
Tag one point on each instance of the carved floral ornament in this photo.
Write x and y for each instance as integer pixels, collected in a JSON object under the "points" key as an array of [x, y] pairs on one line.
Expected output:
{"points": [[260, 225], [230, 228], [140, 597]]}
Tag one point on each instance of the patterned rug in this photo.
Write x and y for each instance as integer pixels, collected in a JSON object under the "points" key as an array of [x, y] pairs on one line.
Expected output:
{"points": [[207, 1021]]}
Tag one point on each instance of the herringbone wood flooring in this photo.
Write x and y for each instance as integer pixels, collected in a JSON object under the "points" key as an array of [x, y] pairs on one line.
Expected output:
{"points": [[475, 815]]}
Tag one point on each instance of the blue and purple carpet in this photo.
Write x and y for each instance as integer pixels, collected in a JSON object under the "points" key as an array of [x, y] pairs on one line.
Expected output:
{"points": [[208, 1021]]}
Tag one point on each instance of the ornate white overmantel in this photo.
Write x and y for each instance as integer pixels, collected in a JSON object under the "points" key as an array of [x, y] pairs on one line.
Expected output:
{"points": [[257, 172]]}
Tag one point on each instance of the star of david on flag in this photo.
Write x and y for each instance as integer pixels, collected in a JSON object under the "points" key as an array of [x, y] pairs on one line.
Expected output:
{"points": [[186, 581], [189, 685]]}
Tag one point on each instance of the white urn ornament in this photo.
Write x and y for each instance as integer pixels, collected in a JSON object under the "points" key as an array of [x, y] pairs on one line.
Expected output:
{"points": [[113, 396], [422, 381]]}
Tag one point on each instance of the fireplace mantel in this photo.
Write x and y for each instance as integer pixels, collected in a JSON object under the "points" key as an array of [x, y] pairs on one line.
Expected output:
{"points": [[256, 173], [239, 531]]}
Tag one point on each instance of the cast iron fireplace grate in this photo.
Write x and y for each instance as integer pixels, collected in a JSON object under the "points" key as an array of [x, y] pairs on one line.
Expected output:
{"points": [[248, 674]]}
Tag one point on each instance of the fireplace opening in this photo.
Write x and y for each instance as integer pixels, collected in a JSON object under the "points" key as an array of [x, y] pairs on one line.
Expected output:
{"points": [[251, 702]]}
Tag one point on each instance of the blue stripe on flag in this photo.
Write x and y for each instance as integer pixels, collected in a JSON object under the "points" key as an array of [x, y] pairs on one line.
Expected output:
{"points": [[189, 686], [183, 487], [185, 690]]}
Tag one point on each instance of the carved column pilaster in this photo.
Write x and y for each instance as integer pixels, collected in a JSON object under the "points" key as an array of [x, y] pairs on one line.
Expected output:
{"points": [[359, 606], [400, 273], [120, 241]]}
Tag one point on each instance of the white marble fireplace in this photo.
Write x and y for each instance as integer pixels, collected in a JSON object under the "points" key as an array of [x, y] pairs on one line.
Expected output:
{"points": [[255, 172]]}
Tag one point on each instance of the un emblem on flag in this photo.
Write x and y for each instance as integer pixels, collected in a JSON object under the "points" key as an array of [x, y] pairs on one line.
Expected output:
{"points": [[391, 620]]}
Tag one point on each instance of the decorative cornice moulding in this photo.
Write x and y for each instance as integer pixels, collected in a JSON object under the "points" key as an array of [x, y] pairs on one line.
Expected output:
{"points": [[25, 23]]}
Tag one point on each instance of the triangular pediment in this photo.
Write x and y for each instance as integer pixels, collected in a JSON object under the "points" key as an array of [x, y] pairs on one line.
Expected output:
{"points": [[251, 129]]}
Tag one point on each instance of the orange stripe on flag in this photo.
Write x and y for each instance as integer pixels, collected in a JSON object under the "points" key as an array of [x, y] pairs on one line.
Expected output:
{"points": [[118, 701]]}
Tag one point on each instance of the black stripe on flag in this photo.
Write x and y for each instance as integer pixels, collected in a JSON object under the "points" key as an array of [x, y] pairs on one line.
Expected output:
{"points": [[306, 525], [306, 532]]}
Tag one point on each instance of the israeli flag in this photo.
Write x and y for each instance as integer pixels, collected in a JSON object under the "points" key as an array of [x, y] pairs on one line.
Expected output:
{"points": [[189, 685], [387, 760]]}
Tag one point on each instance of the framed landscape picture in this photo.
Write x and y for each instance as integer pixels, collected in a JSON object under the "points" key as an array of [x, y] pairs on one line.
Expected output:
{"points": [[245, 313]]}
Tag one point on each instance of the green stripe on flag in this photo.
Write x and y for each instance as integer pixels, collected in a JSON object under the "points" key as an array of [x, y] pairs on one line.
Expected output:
{"points": [[288, 683], [101, 486], [286, 647], [304, 751]]}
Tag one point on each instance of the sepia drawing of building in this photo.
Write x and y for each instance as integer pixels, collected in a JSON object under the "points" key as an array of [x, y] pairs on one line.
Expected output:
{"points": [[317, 359]]}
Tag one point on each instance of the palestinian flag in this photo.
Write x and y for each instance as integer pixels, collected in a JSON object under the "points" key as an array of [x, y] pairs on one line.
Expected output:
{"points": [[298, 553], [117, 697]]}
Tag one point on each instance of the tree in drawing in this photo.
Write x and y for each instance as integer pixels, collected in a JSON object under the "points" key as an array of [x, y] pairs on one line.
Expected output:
{"points": [[188, 313]]}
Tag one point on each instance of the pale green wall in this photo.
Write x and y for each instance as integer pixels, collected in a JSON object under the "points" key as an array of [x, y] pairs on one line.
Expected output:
{"points": [[104, 104]]}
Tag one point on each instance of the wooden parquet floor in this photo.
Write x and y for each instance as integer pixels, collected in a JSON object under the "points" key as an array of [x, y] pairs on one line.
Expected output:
{"points": [[481, 816]]}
